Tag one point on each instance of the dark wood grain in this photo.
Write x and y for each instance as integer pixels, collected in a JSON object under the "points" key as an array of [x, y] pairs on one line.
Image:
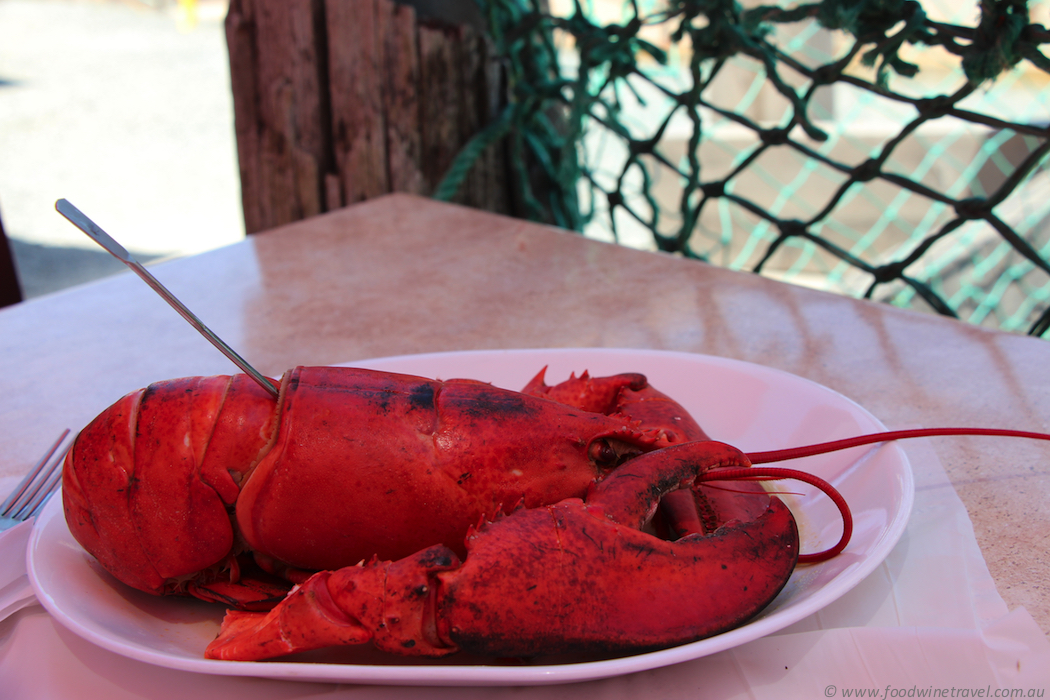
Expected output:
{"points": [[281, 111], [339, 101]]}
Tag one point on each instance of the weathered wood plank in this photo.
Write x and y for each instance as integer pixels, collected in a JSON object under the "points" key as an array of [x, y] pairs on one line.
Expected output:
{"points": [[472, 116], [499, 197], [337, 101], [486, 185], [280, 108], [355, 84], [440, 95], [401, 96], [240, 42]]}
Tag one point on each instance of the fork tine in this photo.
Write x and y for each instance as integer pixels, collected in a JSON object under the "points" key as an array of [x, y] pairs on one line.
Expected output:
{"points": [[16, 497], [45, 487]]}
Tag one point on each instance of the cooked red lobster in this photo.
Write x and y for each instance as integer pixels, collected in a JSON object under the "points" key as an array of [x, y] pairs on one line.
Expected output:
{"points": [[575, 576], [205, 486]]}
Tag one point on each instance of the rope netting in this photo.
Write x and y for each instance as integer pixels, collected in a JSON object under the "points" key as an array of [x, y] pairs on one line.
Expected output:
{"points": [[875, 148]]}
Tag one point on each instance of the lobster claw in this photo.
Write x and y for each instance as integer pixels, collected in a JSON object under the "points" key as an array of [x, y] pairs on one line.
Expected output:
{"points": [[585, 578], [576, 576]]}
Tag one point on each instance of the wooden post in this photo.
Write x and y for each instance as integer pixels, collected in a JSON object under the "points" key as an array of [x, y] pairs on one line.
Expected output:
{"points": [[280, 108], [401, 97], [336, 101], [355, 81]]}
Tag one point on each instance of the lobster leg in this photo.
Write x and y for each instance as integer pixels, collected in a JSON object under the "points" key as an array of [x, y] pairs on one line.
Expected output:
{"points": [[575, 576], [387, 603]]}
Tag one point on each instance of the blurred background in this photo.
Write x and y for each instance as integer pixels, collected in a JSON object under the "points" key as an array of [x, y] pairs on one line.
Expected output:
{"points": [[125, 108], [122, 107]]}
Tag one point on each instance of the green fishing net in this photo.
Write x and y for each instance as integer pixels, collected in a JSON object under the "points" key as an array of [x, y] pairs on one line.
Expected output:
{"points": [[876, 148]]}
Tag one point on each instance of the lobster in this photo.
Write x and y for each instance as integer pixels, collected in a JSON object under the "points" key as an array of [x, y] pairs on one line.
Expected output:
{"points": [[576, 576], [207, 487], [204, 486]]}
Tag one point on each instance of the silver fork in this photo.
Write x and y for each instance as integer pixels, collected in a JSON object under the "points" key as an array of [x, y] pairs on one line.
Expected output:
{"points": [[30, 495]]}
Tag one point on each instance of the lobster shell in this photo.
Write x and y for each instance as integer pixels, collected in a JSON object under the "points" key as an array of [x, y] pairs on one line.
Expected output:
{"points": [[575, 576], [174, 484]]}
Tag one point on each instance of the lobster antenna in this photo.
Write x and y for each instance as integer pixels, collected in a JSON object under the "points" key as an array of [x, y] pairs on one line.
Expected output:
{"points": [[95, 233], [886, 436]]}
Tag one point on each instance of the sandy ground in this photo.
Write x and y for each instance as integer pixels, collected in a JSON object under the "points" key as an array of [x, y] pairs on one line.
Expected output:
{"points": [[122, 107]]}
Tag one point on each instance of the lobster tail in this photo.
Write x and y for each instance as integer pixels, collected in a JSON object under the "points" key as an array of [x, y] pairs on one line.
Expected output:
{"points": [[147, 484]]}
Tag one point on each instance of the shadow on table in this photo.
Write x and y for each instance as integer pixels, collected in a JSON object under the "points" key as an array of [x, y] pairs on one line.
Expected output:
{"points": [[43, 269]]}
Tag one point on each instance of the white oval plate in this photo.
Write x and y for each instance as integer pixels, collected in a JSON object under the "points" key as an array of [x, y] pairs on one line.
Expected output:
{"points": [[750, 406]]}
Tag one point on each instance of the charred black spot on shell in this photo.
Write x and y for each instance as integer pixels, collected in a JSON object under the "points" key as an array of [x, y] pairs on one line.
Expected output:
{"points": [[642, 547], [437, 557], [379, 400], [493, 405], [638, 381], [421, 396]]}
